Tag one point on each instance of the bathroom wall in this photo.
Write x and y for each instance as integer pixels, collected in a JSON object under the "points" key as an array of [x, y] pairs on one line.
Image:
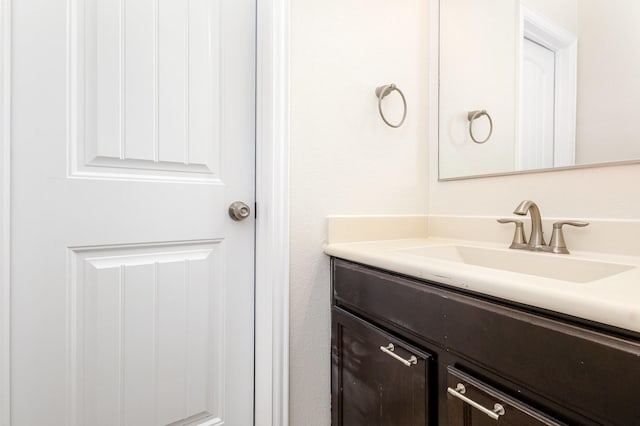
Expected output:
{"points": [[601, 192], [344, 160]]}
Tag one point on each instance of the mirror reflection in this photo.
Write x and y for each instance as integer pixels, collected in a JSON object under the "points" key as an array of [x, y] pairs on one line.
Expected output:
{"points": [[558, 80]]}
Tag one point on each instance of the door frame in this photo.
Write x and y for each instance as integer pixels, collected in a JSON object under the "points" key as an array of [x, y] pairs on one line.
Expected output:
{"points": [[5, 211], [272, 224]]}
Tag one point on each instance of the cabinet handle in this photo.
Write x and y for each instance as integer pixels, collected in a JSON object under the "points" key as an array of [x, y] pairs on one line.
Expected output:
{"points": [[498, 409], [389, 351]]}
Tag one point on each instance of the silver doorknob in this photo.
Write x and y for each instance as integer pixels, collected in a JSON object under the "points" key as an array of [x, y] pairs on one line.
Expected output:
{"points": [[239, 211]]}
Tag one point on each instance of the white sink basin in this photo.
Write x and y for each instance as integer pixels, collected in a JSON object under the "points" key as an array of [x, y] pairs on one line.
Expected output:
{"points": [[559, 267]]}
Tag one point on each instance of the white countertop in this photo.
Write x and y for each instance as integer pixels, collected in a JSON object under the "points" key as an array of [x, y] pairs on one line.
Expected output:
{"points": [[614, 300]]}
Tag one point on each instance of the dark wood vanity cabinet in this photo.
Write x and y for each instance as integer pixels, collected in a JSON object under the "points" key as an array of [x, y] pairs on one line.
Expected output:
{"points": [[479, 361], [379, 379]]}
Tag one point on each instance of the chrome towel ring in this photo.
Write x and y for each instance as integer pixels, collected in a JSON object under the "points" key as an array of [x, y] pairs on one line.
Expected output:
{"points": [[473, 115], [381, 93]]}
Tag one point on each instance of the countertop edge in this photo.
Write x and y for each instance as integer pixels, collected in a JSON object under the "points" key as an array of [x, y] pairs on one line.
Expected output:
{"points": [[612, 302]]}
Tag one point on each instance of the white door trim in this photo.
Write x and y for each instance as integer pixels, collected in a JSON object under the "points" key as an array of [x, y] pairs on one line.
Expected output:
{"points": [[272, 226], [5, 211], [272, 231]]}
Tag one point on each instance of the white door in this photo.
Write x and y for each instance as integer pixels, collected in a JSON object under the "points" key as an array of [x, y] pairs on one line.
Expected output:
{"points": [[133, 131], [538, 103]]}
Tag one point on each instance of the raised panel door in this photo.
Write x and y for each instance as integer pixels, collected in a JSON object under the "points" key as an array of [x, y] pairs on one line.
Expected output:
{"points": [[132, 289]]}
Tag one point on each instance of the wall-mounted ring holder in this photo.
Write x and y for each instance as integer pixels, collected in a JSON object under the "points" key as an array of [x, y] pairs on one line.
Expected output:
{"points": [[474, 115], [381, 93]]}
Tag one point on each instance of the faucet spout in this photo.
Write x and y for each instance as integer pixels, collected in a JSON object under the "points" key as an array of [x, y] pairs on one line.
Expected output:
{"points": [[536, 239]]}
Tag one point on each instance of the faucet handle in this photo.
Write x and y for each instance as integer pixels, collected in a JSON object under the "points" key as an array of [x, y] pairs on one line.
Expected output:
{"points": [[557, 243], [519, 240]]}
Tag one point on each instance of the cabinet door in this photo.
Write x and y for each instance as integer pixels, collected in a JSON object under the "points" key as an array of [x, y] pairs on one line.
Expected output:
{"points": [[377, 379], [473, 403]]}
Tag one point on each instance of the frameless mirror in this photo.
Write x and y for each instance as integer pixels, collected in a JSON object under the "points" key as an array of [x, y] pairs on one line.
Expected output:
{"points": [[558, 80]]}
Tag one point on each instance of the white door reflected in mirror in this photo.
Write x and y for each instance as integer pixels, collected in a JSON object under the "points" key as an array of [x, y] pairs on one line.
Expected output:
{"points": [[538, 100]]}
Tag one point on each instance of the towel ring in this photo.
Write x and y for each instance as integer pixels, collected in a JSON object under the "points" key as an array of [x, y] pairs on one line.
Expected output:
{"points": [[381, 93], [473, 115]]}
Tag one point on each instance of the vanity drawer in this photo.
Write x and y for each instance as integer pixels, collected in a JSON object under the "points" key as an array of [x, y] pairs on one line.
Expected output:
{"points": [[583, 370], [472, 402], [388, 299]]}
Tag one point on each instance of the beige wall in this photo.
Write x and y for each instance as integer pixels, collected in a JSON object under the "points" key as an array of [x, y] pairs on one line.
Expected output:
{"points": [[601, 192], [344, 160]]}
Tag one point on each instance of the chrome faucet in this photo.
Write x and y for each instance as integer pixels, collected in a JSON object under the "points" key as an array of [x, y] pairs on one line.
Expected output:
{"points": [[536, 238]]}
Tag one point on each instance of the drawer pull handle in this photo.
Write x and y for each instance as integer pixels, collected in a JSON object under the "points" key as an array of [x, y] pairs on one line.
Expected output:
{"points": [[389, 351], [458, 392]]}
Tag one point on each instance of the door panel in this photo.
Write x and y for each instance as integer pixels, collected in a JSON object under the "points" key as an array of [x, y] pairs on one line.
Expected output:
{"points": [[150, 98], [133, 131], [538, 106], [147, 322]]}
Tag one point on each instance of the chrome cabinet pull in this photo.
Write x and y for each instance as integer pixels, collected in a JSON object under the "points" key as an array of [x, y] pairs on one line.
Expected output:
{"points": [[458, 392], [389, 351]]}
